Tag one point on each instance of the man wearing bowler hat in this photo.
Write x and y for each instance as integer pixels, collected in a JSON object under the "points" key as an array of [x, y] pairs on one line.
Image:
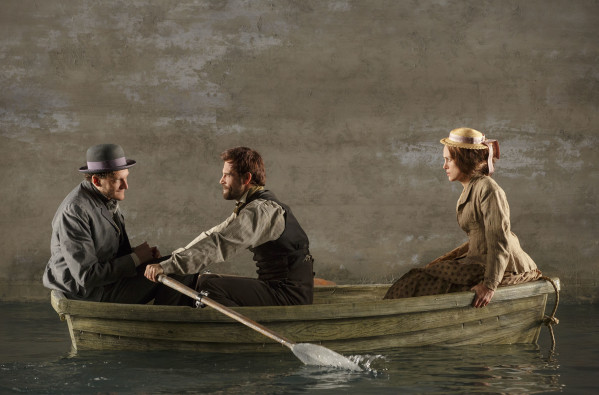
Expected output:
{"points": [[92, 258]]}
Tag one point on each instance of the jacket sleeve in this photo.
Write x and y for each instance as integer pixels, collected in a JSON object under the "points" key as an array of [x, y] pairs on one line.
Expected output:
{"points": [[79, 252], [496, 214], [259, 222]]}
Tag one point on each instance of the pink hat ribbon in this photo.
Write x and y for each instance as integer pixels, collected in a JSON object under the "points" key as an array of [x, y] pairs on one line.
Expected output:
{"points": [[466, 140], [493, 152]]}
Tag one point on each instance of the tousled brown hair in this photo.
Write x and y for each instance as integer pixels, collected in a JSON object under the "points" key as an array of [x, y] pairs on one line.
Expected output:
{"points": [[245, 160], [472, 162]]}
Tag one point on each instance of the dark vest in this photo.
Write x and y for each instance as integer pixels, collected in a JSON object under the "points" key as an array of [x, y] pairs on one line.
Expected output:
{"points": [[286, 260]]}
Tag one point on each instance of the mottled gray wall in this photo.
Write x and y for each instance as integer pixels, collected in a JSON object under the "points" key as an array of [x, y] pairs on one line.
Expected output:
{"points": [[346, 100]]}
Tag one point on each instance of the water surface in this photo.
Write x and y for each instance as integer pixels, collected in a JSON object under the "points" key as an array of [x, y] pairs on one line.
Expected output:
{"points": [[36, 357]]}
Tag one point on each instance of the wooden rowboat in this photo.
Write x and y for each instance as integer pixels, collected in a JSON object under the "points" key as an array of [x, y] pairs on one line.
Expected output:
{"points": [[345, 318]]}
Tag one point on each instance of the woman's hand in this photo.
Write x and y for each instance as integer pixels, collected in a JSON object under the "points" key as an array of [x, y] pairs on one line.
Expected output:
{"points": [[483, 295], [152, 271]]}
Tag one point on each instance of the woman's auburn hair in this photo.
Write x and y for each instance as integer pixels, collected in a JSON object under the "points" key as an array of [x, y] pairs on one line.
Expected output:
{"points": [[472, 162]]}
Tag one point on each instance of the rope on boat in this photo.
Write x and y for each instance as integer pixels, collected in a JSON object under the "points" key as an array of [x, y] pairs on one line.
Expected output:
{"points": [[550, 320]]}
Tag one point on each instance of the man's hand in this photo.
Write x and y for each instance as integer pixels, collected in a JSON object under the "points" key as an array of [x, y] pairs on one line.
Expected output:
{"points": [[144, 252], [152, 271], [483, 295]]}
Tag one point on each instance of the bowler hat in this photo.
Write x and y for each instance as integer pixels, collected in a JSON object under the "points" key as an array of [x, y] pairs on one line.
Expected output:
{"points": [[106, 157]]}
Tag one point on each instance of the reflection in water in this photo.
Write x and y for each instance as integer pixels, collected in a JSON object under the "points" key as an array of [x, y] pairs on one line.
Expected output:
{"points": [[35, 358], [504, 369], [498, 369]]}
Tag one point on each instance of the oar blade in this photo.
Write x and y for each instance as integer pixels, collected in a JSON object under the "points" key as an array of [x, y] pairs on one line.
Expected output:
{"points": [[312, 354]]}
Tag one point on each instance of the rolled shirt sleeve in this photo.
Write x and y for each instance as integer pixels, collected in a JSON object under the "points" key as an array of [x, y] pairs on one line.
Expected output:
{"points": [[259, 222]]}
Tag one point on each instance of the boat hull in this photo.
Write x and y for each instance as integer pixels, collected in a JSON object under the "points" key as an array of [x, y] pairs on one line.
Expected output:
{"points": [[343, 318]]}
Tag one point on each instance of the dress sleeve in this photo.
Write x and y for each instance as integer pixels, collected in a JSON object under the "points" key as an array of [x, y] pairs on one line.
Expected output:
{"points": [[496, 213], [79, 252], [259, 222]]}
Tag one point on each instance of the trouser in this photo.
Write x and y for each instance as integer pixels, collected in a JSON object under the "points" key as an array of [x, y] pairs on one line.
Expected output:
{"points": [[242, 291], [140, 290]]}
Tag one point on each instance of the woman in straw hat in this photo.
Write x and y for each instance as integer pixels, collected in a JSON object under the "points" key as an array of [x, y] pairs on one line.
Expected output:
{"points": [[492, 257]]}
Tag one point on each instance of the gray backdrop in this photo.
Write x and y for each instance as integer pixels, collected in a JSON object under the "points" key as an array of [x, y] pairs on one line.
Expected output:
{"points": [[345, 100]]}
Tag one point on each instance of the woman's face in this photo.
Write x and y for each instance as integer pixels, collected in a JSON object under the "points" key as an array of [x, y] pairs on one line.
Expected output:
{"points": [[451, 168]]}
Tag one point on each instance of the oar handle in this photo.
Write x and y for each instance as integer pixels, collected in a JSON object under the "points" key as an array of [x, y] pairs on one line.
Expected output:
{"points": [[177, 286]]}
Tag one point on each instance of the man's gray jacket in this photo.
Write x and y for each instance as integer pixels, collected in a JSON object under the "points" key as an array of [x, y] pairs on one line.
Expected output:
{"points": [[88, 250]]}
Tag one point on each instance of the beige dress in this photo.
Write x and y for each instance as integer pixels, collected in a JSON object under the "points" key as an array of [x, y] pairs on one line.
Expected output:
{"points": [[492, 254]]}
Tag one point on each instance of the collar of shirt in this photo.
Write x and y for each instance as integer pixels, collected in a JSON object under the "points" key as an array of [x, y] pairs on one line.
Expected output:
{"points": [[112, 205], [249, 193], [242, 199], [241, 202]]}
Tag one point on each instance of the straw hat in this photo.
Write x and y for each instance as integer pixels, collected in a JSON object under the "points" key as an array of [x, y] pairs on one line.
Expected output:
{"points": [[466, 138], [473, 139]]}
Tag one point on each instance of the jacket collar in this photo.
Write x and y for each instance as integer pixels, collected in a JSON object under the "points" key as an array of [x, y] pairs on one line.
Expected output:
{"points": [[102, 202], [466, 192]]}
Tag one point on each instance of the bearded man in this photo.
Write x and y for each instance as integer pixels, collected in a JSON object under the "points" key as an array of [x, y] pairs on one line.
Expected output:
{"points": [[260, 223]]}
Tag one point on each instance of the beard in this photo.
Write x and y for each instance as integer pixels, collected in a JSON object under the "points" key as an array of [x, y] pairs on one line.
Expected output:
{"points": [[230, 193]]}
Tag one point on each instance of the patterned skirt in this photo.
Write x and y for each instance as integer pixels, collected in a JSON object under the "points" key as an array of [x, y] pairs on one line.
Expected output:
{"points": [[449, 276]]}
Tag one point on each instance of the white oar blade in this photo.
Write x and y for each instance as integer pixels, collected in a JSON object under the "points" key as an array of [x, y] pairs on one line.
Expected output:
{"points": [[311, 354]]}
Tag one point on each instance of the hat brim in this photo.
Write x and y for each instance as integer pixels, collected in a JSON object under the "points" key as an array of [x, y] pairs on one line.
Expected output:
{"points": [[447, 141], [130, 162]]}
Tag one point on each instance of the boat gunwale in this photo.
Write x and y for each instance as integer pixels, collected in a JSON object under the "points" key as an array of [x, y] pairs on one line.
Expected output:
{"points": [[319, 311]]}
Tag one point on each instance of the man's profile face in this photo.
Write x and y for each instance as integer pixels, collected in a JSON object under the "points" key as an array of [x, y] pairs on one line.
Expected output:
{"points": [[113, 186], [233, 188]]}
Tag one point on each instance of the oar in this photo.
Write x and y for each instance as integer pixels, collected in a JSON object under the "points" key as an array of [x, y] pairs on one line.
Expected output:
{"points": [[309, 354]]}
